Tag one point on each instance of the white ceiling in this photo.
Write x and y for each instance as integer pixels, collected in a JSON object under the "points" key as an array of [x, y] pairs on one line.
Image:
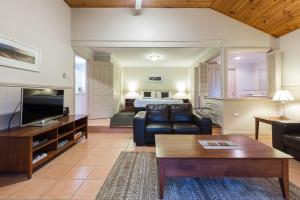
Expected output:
{"points": [[249, 57], [139, 57]]}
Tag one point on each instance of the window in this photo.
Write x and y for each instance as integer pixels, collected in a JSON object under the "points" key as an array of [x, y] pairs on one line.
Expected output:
{"points": [[247, 74]]}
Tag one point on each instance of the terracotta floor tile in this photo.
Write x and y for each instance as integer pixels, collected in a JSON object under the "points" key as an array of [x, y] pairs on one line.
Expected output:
{"points": [[63, 189], [90, 161], [78, 172], [10, 187], [33, 189], [65, 159], [100, 172], [52, 172], [88, 190]]}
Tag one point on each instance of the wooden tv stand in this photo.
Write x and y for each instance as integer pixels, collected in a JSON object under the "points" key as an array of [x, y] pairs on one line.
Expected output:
{"points": [[16, 146]]}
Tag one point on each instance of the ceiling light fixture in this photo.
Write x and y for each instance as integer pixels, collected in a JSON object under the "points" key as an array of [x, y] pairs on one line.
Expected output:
{"points": [[237, 58], [154, 58]]}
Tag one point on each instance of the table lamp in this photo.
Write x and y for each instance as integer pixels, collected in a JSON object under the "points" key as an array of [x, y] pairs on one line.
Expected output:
{"points": [[283, 96]]}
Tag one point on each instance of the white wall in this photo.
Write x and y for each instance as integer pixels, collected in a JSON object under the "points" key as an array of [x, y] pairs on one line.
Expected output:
{"points": [[289, 45], [171, 75], [119, 24], [247, 109], [44, 25]]}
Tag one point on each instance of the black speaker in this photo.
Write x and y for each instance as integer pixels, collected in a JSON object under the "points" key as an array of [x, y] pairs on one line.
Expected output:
{"points": [[66, 111]]}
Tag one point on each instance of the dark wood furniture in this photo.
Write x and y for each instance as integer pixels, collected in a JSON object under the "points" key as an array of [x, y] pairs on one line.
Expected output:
{"points": [[286, 137], [182, 155], [129, 104], [186, 100], [263, 119], [17, 150]]}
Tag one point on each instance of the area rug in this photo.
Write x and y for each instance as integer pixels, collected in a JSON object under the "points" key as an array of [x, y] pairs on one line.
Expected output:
{"points": [[134, 177], [122, 119]]}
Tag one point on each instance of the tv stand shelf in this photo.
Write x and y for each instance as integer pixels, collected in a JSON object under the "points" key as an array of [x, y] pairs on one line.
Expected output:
{"points": [[16, 146]]}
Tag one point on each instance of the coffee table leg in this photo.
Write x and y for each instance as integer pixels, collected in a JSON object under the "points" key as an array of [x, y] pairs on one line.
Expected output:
{"points": [[162, 180], [284, 181]]}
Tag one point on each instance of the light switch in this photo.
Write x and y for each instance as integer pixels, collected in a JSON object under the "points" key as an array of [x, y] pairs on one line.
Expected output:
{"points": [[235, 114], [65, 75]]}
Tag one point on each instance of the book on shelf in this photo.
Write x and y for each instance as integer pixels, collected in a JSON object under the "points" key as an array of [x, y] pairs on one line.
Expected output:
{"points": [[62, 143], [39, 157], [39, 142], [78, 135], [218, 144]]}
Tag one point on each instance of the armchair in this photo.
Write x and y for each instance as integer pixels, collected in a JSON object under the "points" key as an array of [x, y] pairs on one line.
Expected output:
{"points": [[286, 137]]}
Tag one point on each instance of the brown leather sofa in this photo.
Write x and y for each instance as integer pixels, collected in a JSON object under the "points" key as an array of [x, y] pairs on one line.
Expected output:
{"points": [[168, 119], [286, 137]]}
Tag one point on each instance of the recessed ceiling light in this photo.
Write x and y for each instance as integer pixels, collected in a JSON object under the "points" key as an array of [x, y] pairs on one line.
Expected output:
{"points": [[238, 58], [155, 57]]}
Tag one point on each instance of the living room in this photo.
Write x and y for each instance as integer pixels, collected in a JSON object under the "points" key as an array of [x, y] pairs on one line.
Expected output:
{"points": [[110, 164]]}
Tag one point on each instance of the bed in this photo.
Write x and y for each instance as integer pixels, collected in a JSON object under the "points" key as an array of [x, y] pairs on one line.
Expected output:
{"points": [[140, 104]]}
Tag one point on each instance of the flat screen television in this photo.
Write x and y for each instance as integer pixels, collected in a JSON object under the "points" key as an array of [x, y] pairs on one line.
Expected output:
{"points": [[41, 104]]}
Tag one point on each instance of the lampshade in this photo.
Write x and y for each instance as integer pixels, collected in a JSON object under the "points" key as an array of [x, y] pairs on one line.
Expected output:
{"points": [[283, 95], [132, 95]]}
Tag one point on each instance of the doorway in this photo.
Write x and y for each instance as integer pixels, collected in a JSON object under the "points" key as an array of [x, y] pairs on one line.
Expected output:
{"points": [[81, 93]]}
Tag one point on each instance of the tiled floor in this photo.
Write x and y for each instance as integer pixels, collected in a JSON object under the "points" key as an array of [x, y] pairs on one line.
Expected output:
{"points": [[99, 122], [80, 172]]}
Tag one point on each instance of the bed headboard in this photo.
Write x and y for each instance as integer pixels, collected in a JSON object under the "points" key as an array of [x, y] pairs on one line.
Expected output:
{"points": [[156, 94]]}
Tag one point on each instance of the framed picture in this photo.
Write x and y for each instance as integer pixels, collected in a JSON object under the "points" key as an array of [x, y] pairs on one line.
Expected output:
{"points": [[155, 79], [20, 56]]}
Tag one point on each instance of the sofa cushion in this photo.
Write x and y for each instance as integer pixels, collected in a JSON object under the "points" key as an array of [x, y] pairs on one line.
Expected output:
{"points": [[181, 112], [186, 128], [292, 141], [158, 128], [157, 113]]}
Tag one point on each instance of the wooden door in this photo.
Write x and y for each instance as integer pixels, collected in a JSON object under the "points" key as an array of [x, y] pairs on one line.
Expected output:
{"points": [[100, 90], [196, 87], [214, 80]]}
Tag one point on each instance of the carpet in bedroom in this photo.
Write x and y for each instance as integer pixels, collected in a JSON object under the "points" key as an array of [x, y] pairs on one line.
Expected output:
{"points": [[122, 119]]}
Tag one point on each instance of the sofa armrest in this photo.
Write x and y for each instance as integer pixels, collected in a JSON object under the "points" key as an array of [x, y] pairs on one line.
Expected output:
{"points": [[204, 123], [139, 123], [280, 129]]}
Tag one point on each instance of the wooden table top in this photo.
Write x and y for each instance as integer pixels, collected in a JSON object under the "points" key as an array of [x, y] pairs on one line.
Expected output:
{"points": [[187, 146], [270, 119]]}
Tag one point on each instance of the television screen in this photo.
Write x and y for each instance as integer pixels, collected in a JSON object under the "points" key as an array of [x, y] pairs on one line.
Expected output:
{"points": [[41, 104]]}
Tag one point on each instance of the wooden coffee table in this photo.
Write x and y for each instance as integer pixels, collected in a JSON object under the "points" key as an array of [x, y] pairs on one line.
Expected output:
{"points": [[182, 155]]}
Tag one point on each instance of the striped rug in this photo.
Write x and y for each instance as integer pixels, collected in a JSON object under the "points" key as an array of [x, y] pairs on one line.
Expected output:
{"points": [[134, 177]]}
